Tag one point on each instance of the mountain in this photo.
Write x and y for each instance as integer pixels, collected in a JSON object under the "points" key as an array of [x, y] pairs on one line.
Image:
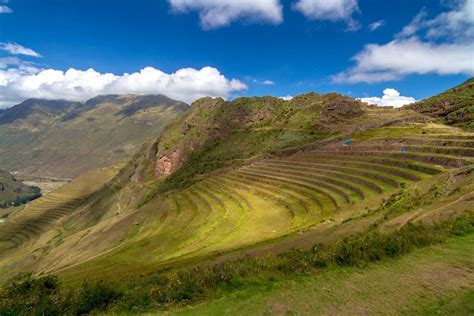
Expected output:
{"points": [[215, 133], [36, 110], [454, 106], [13, 192], [64, 139], [233, 197]]}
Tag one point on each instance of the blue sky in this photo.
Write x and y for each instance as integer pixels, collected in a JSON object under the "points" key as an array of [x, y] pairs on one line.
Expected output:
{"points": [[270, 47]]}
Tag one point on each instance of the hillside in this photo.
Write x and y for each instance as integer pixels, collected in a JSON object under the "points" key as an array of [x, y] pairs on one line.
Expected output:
{"points": [[454, 106], [64, 139], [230, 181], [13, 192]]}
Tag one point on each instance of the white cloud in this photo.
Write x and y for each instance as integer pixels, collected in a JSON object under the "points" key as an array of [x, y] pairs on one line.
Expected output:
{"points": [[5, 9], [23, 81], [17, 49], [264, 82], [457, 23], [376, 25], [443, 45], [399, 58], [219, 13], [391, 97], [287, 98], [329, 10]]}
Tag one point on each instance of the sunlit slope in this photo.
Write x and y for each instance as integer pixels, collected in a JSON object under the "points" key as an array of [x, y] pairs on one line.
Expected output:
{"points": [[23, 231], [276, 197], [47, 138]]}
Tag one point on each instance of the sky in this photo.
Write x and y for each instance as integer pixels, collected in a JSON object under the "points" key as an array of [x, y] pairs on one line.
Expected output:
{"points": [[389, 52]]}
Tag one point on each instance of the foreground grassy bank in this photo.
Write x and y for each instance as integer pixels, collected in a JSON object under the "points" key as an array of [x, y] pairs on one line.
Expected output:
{"points": [[437, 280], [262, 278]]}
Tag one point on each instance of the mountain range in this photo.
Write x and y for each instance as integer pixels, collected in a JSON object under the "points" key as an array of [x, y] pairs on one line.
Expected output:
{"points": [[64, 139]]}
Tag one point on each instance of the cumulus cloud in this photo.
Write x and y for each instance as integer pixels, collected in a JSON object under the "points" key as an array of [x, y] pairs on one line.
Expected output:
{"points": [[287, 98], [442, 45], [19, 81], [391, 97], [399, 58], [5, 9], [333, 10], [219, 13], [17, 49], [376, 25]]}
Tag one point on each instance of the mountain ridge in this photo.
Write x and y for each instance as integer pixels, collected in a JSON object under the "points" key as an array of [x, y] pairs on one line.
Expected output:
{"points": [[64, 139]]}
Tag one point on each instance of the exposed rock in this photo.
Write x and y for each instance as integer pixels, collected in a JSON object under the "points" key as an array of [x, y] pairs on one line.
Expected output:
{"points": [[167, 164], [341, 108]]}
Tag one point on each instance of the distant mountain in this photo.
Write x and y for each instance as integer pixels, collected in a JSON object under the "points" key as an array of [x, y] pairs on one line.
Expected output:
{"points": [[38, 107], [13, 192], [64, 139], [455, 106]]}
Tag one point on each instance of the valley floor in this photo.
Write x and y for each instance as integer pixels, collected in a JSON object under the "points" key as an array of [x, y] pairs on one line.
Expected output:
{"points": [[438, 280]]}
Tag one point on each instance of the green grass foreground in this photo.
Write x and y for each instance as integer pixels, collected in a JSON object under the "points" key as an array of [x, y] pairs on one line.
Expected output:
{"points": [[27, 295]]}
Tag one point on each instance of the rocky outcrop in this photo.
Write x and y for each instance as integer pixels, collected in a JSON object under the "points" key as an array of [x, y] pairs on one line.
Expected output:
{"points": [[169, 163], [340, 108]]}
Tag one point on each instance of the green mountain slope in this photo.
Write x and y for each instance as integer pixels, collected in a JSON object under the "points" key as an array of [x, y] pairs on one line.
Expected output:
{"points": [[65, 139], [252, 177], [455, 106], [13, 192]]}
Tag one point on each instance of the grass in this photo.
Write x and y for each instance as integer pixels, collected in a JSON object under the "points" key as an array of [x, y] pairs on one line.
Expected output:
{"points": [[207, 281], [259, 202], [432, 281]]}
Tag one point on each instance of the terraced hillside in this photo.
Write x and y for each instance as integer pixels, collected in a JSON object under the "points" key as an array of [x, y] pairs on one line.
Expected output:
{"points": [[272, 198], [38, 218], [61, 139], [255, 176]]}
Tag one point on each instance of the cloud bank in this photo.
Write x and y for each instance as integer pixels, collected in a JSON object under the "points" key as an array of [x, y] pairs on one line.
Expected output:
{"points": [[391, 97], [17, 49], [442, 45], [333, 10], [20, 81], [219, 13]]}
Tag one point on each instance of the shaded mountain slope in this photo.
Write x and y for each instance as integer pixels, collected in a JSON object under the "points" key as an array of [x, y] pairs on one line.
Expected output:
{"points": [[65, 139], [13, 192], [454, 106]]}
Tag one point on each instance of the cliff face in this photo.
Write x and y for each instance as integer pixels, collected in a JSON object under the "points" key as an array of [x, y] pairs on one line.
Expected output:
{"points": [[169, 163], [265, 121]]}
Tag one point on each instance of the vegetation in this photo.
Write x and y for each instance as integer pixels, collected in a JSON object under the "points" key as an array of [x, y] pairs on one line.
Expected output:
{"points": [[66, 139], [239, 194], [15, 193], [44, 295], [455, 106]]}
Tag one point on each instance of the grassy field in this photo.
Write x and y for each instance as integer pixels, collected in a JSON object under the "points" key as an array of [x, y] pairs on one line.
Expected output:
{"points": [[438, 280]]}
